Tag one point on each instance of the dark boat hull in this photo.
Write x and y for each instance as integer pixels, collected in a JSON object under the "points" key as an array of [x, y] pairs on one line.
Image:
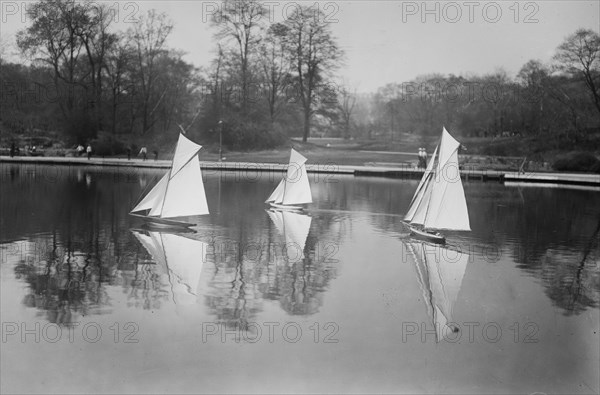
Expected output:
{"points": [[162, 222], [423, 234], [284, 207]]}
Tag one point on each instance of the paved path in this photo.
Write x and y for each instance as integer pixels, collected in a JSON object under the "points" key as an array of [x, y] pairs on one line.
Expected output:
{"points": [[557, 178], [377, 170]]}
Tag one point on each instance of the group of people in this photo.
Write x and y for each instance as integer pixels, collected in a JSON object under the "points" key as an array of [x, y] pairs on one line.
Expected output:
{"points": [[143, 152], [87, 150], [14, 150], [422, 158]]}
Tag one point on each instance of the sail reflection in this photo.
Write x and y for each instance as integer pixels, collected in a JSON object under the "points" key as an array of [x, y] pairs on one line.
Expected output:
{"points": [[179, 258], [71, 247], [301, 291], [440, 272], [294, 227]]}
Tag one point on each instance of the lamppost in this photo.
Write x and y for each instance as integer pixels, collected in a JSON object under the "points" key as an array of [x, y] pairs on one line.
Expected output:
{"points": [[220, 140]]}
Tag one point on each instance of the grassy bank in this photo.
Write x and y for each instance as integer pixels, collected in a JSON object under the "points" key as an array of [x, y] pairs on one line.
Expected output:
{"points": [[504, 154]]}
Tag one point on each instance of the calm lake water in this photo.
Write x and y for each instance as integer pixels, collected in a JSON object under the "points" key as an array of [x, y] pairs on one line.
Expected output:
{"points": [[338, 300]]}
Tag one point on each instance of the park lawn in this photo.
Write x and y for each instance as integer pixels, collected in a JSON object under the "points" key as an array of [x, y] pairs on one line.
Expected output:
{"points": [[315, 155]]}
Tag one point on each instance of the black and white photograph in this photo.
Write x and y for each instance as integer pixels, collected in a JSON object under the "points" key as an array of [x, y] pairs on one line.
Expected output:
{"points": [[300, 197]]}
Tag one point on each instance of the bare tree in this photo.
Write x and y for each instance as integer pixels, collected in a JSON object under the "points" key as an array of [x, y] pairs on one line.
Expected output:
{"points": [[314, 53], [118, 66], [54, 39], [347, 101], [579, 55], [533, 76], [97, 42], [276, 67], [240, 21], [148, 37]]}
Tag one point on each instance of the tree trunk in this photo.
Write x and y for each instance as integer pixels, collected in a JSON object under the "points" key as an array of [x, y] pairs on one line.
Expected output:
{"points": [[306, 124], [114, 113]]}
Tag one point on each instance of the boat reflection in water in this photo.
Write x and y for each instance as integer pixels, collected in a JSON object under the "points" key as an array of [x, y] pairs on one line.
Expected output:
{"points": [[300, 292], [294, 227], [440, 272], [179, 258], [281, 266]]}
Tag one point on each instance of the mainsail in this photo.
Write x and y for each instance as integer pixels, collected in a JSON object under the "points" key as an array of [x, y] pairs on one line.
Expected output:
{"points": [[439, 202], [418, 198], [277, 195], [181, 191], [440, 272], [180, 258], [294, 188]]}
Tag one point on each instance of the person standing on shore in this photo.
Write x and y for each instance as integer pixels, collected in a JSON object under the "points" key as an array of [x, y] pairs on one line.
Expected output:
{"points": [[89, 151], [143, 153], [12, 149], [128, 153]]}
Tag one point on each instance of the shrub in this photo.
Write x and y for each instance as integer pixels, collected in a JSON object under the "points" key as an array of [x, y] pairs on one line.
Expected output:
{"points": [[577, 161], [107, 146], [56, 152], [80, 127], [251, 136]]}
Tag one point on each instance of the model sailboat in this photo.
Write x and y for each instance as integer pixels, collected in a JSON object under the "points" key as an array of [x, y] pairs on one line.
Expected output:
{"points": [[294, 227], [439, 201], [179, 258], [294, 188], [440, 273], [180, 193]]}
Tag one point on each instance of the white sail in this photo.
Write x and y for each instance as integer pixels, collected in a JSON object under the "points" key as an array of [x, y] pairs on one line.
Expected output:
{"points": [[297, 186], [185, 193], [421, 209], [154, 197], [447, 207], [440, 272], [421, 189], [180, 258], [181, 191], [277, 195], [185, 150]]}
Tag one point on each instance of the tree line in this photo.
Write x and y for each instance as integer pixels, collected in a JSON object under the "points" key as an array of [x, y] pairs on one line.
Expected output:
{"points": [[558, 98], [267, 81]]}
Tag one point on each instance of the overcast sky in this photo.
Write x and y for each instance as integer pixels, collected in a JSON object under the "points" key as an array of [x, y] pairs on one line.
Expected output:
{"points": [[392, 41]]}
